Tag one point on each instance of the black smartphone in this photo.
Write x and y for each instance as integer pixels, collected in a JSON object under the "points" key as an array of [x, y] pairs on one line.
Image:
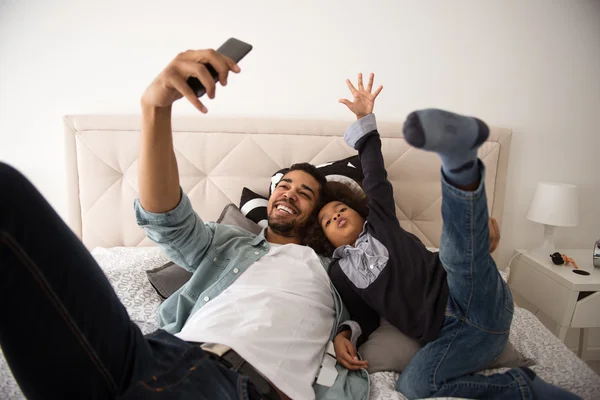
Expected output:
{"points": [[232, 48]]}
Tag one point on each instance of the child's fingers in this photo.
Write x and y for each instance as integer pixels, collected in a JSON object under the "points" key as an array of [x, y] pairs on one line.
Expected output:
{"points": [[360, 82], [354, 357], [351, 86], [350, 349], [349, 362], [362, 363], [370, 84], [345, 102], [379, 89], [349, 359]]}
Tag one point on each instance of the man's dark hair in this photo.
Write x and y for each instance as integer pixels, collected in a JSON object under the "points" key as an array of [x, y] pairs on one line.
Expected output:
{"points": [[312, 171], [314, 236]]}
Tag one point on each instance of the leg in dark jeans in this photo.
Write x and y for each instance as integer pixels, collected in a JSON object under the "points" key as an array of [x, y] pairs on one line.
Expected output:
{"points": [[63, 330], [478, 315], [480, 306]]}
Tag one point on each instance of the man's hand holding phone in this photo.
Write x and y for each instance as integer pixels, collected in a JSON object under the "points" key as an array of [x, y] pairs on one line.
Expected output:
{"points": [[171, 84], [189, 75]]}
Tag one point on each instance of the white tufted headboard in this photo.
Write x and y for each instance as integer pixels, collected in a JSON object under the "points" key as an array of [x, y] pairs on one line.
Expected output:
{"points": [[218, 156]]}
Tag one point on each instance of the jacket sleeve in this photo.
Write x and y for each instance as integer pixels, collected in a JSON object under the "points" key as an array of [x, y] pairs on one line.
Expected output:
{"points": [[356, 315], [180, 233], [363, 136]]}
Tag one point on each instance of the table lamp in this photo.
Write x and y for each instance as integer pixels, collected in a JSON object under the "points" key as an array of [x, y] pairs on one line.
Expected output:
{"points": [[554, 204]]}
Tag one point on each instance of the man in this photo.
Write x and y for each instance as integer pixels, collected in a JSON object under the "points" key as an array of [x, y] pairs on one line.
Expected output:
{"points": [[253, 322]]}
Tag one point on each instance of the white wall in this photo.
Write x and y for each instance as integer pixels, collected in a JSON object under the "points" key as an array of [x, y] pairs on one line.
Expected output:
{"points": [[532, 65]]}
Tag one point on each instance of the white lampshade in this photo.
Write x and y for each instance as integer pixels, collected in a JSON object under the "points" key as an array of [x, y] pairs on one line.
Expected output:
{"points": [[554, 204]]}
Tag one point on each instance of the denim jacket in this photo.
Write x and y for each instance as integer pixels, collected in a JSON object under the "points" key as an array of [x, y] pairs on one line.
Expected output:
{"points": [[216, 255]]}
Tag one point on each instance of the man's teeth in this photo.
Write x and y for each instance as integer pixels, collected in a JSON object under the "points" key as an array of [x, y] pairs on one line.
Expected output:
{"points": [[286, 209]]}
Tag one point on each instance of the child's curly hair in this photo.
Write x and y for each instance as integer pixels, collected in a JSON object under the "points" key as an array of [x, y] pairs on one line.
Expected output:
{"points": [[314, 236]]}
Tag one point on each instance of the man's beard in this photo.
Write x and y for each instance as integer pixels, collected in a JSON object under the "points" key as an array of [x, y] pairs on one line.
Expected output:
{"points": [[282, 228]]}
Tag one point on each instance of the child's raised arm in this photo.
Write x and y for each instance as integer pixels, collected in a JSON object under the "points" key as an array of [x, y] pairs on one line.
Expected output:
{"points": [[363, 136]]}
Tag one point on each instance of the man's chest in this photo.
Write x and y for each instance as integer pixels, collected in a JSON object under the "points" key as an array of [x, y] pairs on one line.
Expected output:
{"points": [[285, 293], [293, 274]]}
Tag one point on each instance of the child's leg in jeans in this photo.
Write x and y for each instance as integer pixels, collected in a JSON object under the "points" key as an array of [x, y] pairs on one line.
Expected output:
{"points": [[479, 311], [476, 287], [478, 292]]}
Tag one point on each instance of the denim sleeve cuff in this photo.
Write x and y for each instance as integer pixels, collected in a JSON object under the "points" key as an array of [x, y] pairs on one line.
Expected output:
{"points": [[354, 327], [172, 217], [359, 129]]}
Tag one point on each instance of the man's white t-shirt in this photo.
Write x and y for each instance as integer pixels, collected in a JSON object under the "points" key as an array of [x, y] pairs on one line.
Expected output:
{"points": [[277, 315]]}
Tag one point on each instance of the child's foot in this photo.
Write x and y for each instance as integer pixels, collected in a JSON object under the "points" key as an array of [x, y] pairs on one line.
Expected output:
{"points": [[454, 137], [543, 390]]}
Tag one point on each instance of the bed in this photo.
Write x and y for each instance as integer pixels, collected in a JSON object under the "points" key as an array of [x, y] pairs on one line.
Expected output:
{"points": [[219, 156]]}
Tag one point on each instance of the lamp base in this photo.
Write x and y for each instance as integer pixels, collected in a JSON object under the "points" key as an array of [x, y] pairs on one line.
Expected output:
{"points": [[546, 248]]}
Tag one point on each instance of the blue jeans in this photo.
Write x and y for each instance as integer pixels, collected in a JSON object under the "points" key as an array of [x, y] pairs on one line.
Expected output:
{"points": [[478, 315], [63, 330]]}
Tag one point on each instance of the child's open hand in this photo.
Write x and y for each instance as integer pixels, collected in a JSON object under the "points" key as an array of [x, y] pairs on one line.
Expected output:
{"points": [[345, 353], [364, 100]]}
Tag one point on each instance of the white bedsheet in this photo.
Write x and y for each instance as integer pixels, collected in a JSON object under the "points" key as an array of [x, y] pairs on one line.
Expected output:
{"points": [[125, 268]]}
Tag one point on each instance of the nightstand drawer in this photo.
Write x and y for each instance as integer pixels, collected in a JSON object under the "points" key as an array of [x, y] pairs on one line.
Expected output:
{"points": [[587, 312], [549, 296]]}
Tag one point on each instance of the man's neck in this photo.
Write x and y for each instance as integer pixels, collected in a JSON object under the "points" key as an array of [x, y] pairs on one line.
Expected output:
{"points": [[276, 238]]}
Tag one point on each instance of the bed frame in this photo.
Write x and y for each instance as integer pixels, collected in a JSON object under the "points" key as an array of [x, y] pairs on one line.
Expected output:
{"points": [[219, 156]]}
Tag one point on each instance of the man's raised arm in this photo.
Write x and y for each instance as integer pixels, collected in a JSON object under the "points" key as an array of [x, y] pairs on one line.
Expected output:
{"points": [[158, 174]]}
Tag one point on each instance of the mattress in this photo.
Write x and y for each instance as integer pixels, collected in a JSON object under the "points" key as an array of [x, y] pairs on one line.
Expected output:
{"points": [[125, 268]]}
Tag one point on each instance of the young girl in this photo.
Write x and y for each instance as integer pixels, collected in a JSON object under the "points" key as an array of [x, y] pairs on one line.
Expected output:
{"points": [[454, 302]]}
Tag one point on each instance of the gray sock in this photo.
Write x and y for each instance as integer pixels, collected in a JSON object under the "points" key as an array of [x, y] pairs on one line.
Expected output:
{"points": [[454, 137]]}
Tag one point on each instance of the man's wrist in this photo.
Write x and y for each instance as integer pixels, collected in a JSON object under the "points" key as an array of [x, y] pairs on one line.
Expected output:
{"points": [[156, 120], [149, 110], [156, 124]]}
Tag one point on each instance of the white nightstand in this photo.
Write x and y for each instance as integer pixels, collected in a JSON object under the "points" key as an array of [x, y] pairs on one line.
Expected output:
{"points": [[571, 300]]}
